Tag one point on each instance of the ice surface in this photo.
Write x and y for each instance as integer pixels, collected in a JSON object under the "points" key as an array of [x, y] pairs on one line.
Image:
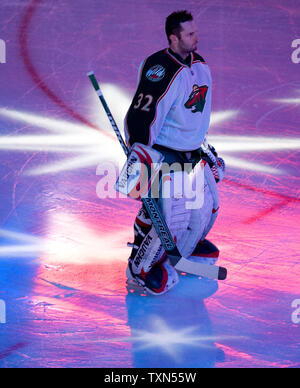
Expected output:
{"points": [[63, 251]]}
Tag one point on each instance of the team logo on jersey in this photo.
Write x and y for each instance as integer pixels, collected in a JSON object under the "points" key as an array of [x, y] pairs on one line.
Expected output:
{"points": [[156, 73], [197, 99]]}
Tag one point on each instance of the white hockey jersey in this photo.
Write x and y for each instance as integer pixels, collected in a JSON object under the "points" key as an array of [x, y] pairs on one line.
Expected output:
{"points": [[172, 104]]}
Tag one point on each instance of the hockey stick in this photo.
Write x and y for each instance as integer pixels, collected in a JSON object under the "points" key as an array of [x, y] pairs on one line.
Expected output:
{"points": [[180, 263]]}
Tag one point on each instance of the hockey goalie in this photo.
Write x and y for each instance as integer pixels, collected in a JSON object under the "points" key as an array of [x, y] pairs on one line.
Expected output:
{"points": [[167, 125]]}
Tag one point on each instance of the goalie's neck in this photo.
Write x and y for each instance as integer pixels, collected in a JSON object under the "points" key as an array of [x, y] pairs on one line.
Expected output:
{"points": [[179, 56]]}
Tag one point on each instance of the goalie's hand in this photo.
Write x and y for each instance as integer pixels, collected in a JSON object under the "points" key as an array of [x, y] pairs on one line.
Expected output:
{"points": [[217, 165]]}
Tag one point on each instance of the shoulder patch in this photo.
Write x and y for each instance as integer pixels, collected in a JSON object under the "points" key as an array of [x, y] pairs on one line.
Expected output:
{"points": [[156, 73]]}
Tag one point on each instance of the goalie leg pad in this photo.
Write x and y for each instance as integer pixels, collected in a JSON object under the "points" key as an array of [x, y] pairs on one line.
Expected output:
{"points": [[190, 225], [212, 188], [148, 264], [147, 251], [174, 205]]}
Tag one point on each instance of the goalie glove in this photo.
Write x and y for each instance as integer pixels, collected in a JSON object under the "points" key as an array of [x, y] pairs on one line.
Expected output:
{"points": [[217, 164], [219, 170]]}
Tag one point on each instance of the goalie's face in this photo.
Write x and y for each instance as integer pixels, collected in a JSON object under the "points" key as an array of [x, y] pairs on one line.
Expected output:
{"points": [[188, 39]]}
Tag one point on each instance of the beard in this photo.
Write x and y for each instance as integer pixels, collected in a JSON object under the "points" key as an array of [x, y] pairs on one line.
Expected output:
{"points": [[189, 49]]}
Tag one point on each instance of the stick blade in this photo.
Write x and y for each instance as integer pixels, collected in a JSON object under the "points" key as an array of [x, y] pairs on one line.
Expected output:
{"points": [[199, 269], [222, 273]]}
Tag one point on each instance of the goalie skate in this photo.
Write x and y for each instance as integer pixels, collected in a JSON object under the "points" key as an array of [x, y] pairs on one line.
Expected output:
{"points": [[159, 280]]}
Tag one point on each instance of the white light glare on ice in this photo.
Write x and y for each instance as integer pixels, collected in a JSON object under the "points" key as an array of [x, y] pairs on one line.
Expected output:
{"points": [[169, 340], [218, 117], [68, 240], [31, 245], [53, 125], [253, 143], [295, 101], [89, 147]]}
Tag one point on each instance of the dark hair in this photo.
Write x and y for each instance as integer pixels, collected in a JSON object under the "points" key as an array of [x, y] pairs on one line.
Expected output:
{"points": [[173, 21]]}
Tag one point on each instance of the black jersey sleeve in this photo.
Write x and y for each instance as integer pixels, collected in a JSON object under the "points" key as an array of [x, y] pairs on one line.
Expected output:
{"points": [[156, 77]]}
